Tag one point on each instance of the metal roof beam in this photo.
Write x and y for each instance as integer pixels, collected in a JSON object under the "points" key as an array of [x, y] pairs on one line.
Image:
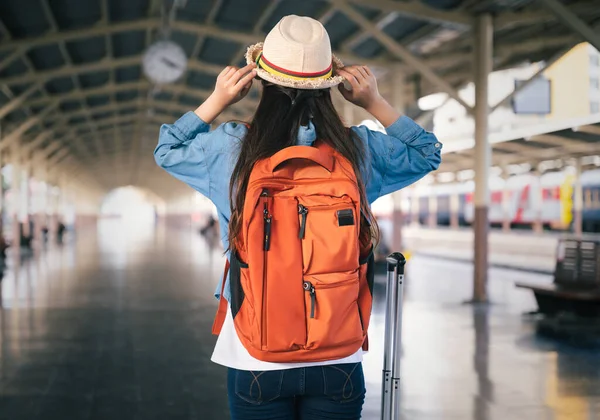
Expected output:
{"points": [[135, 145], [58, 157], [15, 102], [572, 21], [110, 121], [105, 64], [518, 148], [418, 10], [86, 93], [360, 36], [590, 129], [78, 34], [240, 37], [67, 71], [14, 135], [563, 150], [6, 61], [4, 30], [74, 78], [530, 16], [53, 147], [115, 107], [559, 141], [36, 142], [111, 106], [401, 52], [70, 70], [153, 169], [143, 24]]}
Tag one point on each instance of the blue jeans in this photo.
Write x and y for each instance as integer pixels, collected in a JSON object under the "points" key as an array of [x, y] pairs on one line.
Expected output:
{"points": [[312, 393]]}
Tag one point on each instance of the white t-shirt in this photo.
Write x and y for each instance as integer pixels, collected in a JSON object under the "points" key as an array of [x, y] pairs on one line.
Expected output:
{"points": [[229, 351]]}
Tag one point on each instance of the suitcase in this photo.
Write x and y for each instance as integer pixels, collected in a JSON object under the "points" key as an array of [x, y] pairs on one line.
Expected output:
{"points": [[390, 395]]}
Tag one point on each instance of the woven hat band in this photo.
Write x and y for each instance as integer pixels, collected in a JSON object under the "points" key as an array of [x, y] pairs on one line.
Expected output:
{"points": [[271, 68]]}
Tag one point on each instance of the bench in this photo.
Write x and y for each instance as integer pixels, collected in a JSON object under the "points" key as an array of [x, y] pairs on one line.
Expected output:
{"points": [[576, 286]]}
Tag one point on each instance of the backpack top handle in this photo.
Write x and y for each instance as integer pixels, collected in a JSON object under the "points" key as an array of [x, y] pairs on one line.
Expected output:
{"points": [[314, 154]]}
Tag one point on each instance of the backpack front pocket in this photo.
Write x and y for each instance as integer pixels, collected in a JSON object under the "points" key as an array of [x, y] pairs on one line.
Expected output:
{"points": [[328, 230], [282, 328], [332, 314]]}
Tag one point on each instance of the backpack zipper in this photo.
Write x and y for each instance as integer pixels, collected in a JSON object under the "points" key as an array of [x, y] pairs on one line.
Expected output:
{"points": [[303, 211], [267, 227], [308, 286], [266, 246]]}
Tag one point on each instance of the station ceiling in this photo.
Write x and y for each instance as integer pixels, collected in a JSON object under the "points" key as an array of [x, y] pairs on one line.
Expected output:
{"points": [[73, 89], [547, 146]]}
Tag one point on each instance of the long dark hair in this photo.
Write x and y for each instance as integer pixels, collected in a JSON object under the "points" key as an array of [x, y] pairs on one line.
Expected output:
{"points": [[275, 124]]}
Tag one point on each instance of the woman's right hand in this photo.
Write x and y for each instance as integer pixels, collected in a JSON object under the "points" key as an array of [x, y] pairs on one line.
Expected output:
{"points": [[233, 84]]}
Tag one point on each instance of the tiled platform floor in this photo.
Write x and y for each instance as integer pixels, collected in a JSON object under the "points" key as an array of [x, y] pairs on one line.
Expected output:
{"points": [[116, 326]]}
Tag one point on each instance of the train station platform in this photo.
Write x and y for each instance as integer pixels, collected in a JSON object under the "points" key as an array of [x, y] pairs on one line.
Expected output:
{"points": [[115, 324], [517, 249]]}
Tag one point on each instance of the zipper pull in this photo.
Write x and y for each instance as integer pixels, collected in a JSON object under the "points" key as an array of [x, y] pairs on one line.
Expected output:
{"points": [[267, 237], [304, 212], [267, 224], [310, 289]]}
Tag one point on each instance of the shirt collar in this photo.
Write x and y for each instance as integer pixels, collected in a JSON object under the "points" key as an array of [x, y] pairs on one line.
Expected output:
{"points": [[306, 135]]}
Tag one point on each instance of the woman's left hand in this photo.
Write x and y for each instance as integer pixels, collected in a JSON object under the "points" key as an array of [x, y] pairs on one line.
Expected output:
{"points": [[363, 92]]}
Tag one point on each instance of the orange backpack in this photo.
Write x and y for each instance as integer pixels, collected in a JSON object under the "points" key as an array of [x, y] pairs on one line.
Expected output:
{"points": [[301, 281]]}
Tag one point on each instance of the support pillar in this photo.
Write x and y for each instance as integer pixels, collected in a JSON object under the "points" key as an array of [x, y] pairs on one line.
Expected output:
{"points": [[2, 205], [414, 206], [432, 209], [454, 210], [398, 102], [15, 188], [578, 200], [483, 154], [62, 202], [50, 210], [26, 199], [41, 202], [505, 202], [2, 196], [537, 196], [397, 221]]}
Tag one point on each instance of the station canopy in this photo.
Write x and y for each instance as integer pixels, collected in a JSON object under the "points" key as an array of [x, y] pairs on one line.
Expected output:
{"points": [[73, 90], [543, 147]]}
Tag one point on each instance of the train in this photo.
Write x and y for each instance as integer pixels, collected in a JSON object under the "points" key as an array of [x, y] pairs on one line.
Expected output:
{"points": [[528, 197]]}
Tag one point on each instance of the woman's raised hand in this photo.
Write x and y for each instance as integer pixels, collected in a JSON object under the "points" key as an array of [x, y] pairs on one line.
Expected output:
{"points": [[233, 84], [365, 94], [364, 90]]}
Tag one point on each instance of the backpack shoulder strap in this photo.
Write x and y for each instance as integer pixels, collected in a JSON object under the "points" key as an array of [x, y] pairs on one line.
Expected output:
{"points": [[222, 309]]}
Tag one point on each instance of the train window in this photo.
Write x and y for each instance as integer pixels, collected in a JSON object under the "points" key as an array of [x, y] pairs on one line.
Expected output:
{"points": [[587, 199], [596, 199]]}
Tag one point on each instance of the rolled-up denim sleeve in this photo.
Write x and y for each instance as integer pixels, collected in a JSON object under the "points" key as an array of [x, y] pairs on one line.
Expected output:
{"points": [[201, 158], [400, 157], [181, 151]]}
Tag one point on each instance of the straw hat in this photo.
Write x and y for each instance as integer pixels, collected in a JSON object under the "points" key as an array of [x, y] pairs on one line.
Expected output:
{"points": [[297, 54]]}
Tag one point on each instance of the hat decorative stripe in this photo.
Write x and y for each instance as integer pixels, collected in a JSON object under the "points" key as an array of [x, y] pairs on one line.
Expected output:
{"points": [[273, 69]]}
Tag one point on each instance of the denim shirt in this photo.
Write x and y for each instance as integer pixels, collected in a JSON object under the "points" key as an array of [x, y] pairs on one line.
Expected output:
{"points": [[205, 159]]}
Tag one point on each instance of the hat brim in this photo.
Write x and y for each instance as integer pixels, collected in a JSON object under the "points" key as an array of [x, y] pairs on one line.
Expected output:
{"points": [[253, 52]]}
